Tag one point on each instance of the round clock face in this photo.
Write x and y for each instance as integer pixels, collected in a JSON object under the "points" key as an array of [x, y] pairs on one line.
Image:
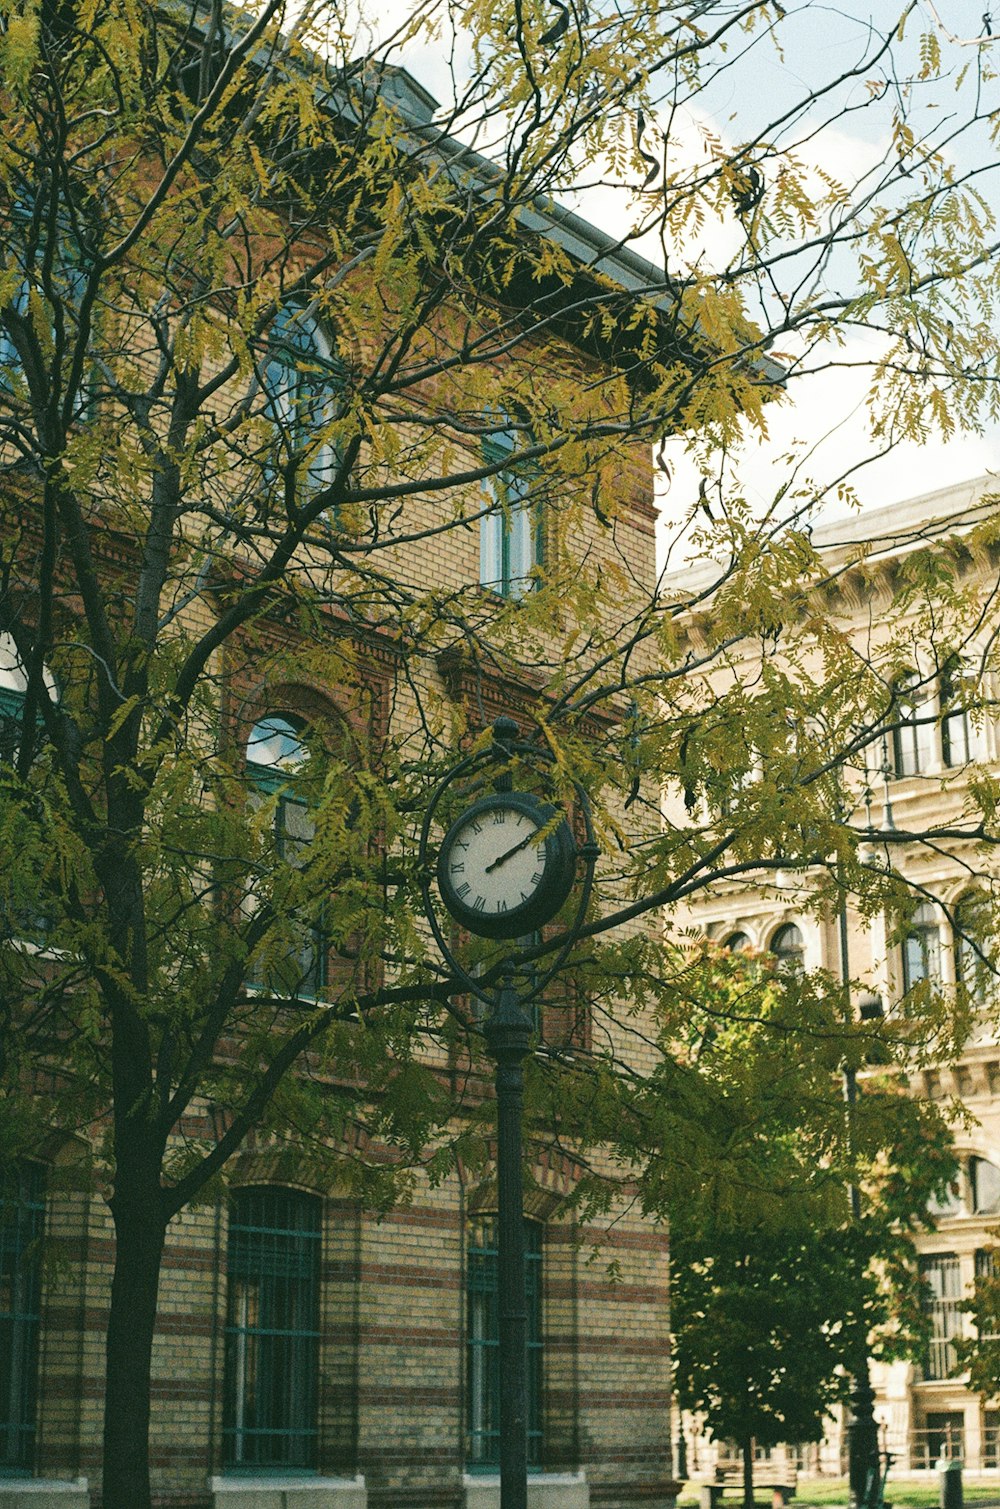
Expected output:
{"points": [[499, 873]]}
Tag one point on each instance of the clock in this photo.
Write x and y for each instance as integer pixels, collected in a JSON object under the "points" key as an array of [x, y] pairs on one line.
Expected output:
{"points": [[506, 866]]}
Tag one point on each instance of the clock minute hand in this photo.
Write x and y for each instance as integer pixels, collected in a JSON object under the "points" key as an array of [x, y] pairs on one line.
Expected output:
{"points": [[502, 859]]}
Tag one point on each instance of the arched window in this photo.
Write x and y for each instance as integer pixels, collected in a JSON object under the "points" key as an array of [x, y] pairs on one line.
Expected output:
{"points": [[276, 752], [22, 1218], [482, 1372], [510, 534], [922, 948], [270, 1403], [302, 379], [788, 947], [737, 943]]}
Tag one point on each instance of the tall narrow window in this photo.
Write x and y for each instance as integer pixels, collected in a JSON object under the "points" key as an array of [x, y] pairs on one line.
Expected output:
{"points": [[10, 357], [275, 751], [510, 534], [972, 951], [45, 250], [302, 380], [984, 1190], [483, 1343], [270, 1417], [942, 1301], [13, 682], [913, 727], [954, 687], [922, 948], [22, 1215]]}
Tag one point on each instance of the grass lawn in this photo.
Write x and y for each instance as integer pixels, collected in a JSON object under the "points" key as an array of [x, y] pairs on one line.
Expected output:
{"points": [[902, 1493]]}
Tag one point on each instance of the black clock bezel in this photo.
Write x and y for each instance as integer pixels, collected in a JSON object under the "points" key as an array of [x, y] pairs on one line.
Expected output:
{"points": [[558, 874]]}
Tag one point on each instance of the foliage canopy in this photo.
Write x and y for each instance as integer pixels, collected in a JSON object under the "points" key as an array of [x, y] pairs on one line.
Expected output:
{"points": [[266, 312]]}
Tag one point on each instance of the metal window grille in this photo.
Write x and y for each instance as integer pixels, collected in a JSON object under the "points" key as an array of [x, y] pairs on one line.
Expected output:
{"points": [[22, 1219], [272, 1330], [942, 1277], [942, 1435], [483, 1343]]}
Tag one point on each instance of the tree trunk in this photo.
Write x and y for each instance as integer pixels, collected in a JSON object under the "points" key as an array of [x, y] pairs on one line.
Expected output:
{"points": [[748, 1474], [139, 1236]]}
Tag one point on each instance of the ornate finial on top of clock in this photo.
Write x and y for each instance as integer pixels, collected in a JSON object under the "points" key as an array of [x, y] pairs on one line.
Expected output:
{"points": [[505, 730], [505, 733]]}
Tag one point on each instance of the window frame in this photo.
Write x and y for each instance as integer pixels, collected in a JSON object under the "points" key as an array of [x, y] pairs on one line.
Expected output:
{"points": [[788, 959], [922, 926], [515, 511], [307, 402], [291, 1404], [956, 729], [912, 728], [971, 972], [944, 1307], [275, 780], [482, 1343]]}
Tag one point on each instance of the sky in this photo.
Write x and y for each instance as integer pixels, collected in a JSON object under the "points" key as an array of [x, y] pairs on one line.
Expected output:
{"points": [[824, 420]]}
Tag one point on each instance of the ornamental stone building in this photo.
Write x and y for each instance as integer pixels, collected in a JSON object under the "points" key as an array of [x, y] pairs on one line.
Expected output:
{"points": [[913, 779]]}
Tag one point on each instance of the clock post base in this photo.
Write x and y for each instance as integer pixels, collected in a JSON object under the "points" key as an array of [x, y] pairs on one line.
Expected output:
{"points": [[508, 1035]]}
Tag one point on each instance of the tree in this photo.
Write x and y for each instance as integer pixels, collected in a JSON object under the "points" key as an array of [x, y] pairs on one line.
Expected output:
{"points": [[980, 1352], [760, 1318], [201, 482], [773, 1303]]}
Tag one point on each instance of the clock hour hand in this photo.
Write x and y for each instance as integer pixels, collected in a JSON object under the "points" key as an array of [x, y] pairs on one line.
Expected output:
{"points": [[502, 859]]}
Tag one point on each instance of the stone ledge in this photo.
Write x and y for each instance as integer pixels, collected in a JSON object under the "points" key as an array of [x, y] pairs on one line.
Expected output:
{"points": [[44, 1493], [546, 1490], [288, 1493]]}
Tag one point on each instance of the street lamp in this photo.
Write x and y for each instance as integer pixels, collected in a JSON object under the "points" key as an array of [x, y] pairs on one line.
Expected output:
{"points": [[862, 1431], [506, 865]]}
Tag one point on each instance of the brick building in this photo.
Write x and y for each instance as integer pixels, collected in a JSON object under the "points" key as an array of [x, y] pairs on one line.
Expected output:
{"points": [[309, 1352]]}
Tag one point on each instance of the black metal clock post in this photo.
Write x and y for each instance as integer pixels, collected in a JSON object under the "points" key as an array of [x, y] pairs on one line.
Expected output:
{"points": [[508, 1034], [507, 913]]}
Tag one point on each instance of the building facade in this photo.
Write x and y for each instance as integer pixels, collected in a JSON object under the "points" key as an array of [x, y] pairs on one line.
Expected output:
{"points": [[911, 779], [311, 1353]]}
